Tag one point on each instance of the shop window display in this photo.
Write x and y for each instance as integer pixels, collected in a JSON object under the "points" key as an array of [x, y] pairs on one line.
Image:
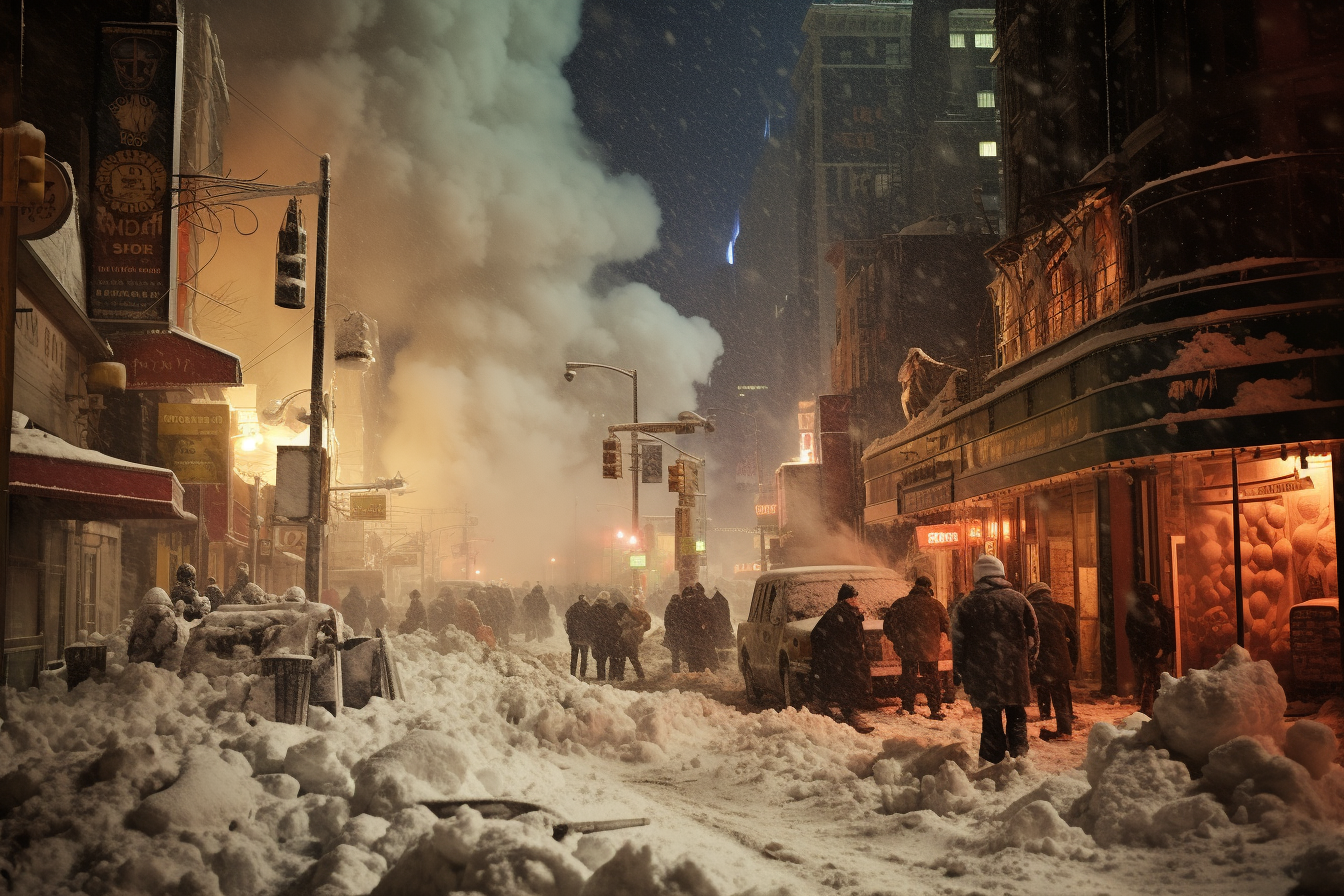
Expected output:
{"points": [[1288, 554]]}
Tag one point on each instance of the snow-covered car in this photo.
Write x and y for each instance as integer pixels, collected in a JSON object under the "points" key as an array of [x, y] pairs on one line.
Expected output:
{"points": [[774, 645]]}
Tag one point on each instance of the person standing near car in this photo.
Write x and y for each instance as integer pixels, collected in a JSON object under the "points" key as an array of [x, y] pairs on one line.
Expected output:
{"points": [[840, 671], [1056, 661], [994, 642], [578, 626], [915, 625]]}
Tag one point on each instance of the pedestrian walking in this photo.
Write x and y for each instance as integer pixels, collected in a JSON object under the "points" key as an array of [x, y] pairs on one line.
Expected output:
{"points": [[994, 642], [674, 627], [536, 615], [416, 617], [442, 611], [840, 672], [578, 627], [467, 618], [1150, 628], [1055, 661], [722, 616], [606, 634], [355, 610], [915, 625], [698, 630], [634, 622], [378, 612]]}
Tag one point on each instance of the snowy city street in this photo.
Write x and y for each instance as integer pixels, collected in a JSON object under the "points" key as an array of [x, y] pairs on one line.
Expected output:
{"points": [[684, 448]]}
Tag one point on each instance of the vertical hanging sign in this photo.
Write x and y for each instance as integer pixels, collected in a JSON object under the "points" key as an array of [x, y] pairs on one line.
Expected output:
{"points": [[132, 253]]}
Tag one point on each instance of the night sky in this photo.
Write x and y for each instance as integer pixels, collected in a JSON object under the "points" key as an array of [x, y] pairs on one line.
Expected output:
{"points": [[679, 93]]}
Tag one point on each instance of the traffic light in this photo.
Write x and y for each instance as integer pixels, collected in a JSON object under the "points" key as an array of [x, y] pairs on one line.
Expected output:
{"points": [[23, 165], [676, 475], [611, 458]]}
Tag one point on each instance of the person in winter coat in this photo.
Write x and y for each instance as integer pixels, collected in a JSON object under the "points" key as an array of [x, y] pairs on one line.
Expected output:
{"points": [[1150, 628], [415, 618], [240, 581], [606, 634], [674, 627], [722, 616], [442, 611], [154, 629], [698, 630], [377, 612], [841, 675], [915, 625], [467, 618], [578, 626], [1056, 660], [536, 615], [498, 612], [994, 643], [355, 610], [634, 622], [186, 600]]}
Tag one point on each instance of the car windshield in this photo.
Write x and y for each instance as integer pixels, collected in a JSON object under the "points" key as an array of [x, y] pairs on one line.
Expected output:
{"points": [[808, 599]]}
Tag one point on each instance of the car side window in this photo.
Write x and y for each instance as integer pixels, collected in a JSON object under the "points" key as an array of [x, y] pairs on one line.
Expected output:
{"points": [[774, 603], [755, 613]]}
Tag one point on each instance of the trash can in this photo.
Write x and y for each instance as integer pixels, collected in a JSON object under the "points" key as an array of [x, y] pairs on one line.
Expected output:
{"points": [[81, 661], [293, 682]]}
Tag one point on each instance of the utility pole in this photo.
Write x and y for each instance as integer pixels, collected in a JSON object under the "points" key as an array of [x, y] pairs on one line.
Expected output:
{"points": [[254, 524], [312, 561], [11, 86]]}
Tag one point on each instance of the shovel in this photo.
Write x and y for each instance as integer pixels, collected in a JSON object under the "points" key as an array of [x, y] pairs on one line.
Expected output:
{"points": [[506, 810]]}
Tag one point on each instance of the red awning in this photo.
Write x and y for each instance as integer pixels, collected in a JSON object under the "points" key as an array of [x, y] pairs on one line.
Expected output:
{"points": [[173, 359], [88, 485]]}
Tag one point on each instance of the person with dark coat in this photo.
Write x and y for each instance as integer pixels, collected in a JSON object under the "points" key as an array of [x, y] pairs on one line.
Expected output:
{"points": [[186, 600], [467, 618], [355, 610], [378, 611], [498, 612], [674, 628], [1055, 662], [1151, 630], [240, 581], [442, 611], [915, 625], [415, 618], [841, 675], [578, 627], [722, 616], [215, 596], [634, 624], [536, 615], [698, 630], [994, 643], [606, 634]]}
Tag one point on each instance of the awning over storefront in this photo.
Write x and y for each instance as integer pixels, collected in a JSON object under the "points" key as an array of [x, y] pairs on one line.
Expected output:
{"points": [[80, 484], [172, 359]]}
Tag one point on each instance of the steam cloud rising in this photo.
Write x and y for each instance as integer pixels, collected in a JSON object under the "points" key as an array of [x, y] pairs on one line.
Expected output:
{"points": [[469, 216]]}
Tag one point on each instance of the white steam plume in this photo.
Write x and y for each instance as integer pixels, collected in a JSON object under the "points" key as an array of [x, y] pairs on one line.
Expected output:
{"points": [[469, 215]]}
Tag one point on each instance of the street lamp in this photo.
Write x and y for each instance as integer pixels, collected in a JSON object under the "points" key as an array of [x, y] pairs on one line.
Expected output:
{"points": [[571, 370]]}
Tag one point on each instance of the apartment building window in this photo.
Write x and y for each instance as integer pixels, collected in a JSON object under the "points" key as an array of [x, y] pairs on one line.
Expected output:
{"points": [[846, 57], [956, 40], [881, 184], [984, 99], [989, 148], [893, 54], [984, 40]]}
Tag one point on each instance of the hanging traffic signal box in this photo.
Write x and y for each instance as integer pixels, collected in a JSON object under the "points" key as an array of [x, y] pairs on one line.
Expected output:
{"points": [[676, 474], [611, 458], [23, 165]]}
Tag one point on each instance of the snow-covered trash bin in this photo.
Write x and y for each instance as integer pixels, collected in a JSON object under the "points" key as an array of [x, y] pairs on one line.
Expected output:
{"points": [[293, 677], [82, 660]]}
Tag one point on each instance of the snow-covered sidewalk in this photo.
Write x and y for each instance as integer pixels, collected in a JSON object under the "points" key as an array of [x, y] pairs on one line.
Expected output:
{"points": [[151, 783]]}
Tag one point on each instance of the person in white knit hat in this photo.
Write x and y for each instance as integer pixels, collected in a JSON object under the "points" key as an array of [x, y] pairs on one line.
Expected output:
{"points": [[994, 642]]}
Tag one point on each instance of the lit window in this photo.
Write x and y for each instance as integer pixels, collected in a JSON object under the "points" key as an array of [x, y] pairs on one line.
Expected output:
{"points": [[989, 148], [984, 99], [956, 40], [984, 40]]}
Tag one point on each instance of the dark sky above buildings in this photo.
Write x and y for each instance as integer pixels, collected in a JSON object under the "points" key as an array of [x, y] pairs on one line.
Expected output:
{"points": [[679, 93]]}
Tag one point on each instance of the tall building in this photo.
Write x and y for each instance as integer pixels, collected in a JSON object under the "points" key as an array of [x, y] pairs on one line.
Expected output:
{"points": [[1167, 404], [896, 123]]}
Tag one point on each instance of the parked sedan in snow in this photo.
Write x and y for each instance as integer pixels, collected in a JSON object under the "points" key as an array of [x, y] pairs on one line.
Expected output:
{"points": [[774, 645]]}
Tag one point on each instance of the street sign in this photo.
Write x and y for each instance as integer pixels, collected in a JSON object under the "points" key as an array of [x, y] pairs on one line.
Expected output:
{"points": [[368, 507], [291, 539], [639, 561], [293, 464], [945, 537], [194, 442], [403, 559], [651, 462], [686, 545], [699, 546]]}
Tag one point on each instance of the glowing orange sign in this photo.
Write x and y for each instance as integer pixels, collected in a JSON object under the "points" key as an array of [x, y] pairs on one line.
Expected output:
{"points": [[945, 537]]}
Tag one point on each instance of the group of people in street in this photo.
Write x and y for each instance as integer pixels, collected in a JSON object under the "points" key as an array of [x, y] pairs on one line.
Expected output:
{"points": [[613, 632], [1006, 646], [695, 627]]}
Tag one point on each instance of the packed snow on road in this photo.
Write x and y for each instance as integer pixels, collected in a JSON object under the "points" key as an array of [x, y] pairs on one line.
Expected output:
{"points": [[147, 781]]}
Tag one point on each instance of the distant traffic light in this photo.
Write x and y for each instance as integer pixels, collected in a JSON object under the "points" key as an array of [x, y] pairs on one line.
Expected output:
{"points": [[611, 458], [23, 165], [676, 474]]}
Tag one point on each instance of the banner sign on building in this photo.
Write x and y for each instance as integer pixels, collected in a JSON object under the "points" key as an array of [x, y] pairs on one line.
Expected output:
{"points": [[944, 537], [194, 442], [368, 507], [133, 248], [651, 462]]}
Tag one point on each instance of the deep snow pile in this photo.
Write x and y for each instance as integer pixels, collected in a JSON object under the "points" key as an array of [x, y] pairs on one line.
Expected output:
{"points": [[151, 783]]}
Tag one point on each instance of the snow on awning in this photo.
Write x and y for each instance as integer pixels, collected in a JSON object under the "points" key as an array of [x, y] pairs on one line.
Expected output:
{"points": [[173, 359], [90, 485]]}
